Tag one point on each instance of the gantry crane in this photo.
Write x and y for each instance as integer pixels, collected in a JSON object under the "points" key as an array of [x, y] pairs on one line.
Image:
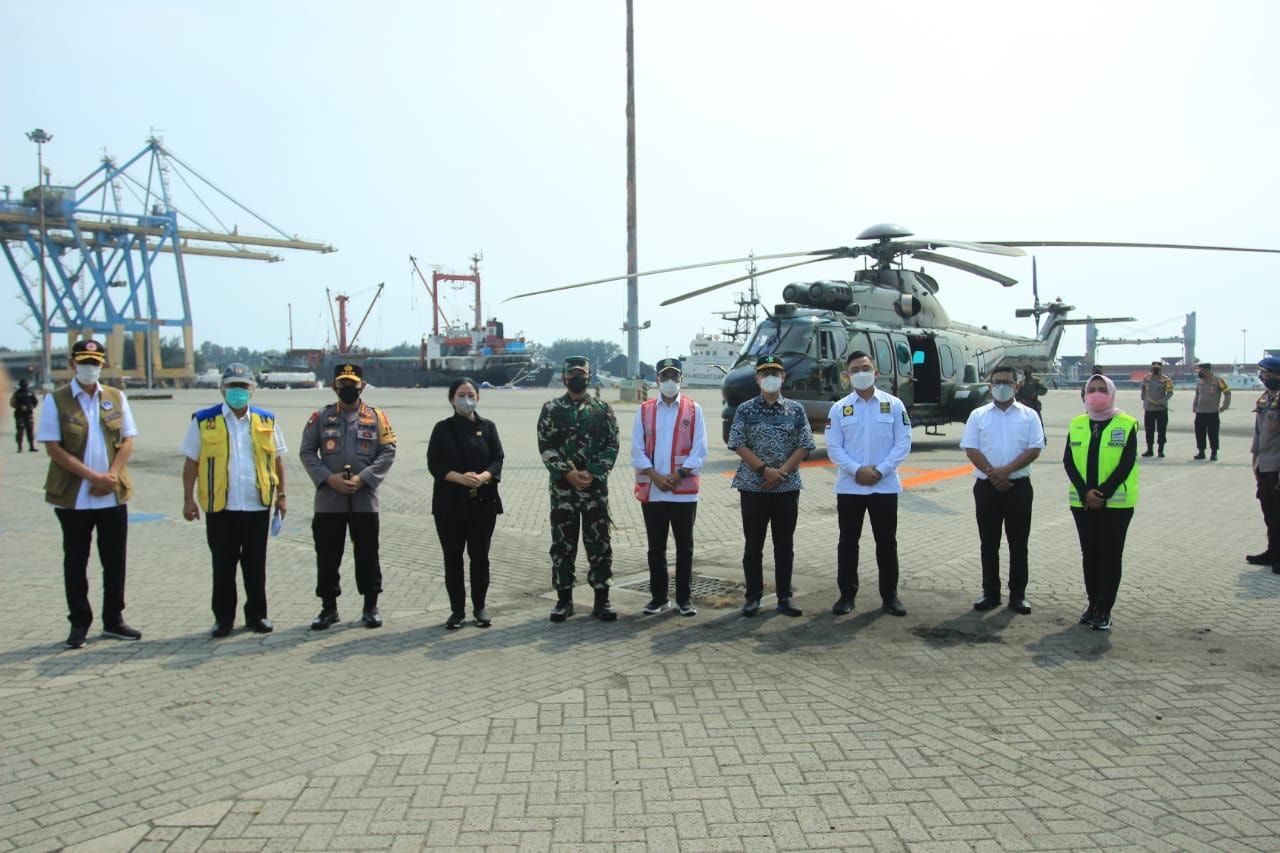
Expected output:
{"points": [[101, 259]]}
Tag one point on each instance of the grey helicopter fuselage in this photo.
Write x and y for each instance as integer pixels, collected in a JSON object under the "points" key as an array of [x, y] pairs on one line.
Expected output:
{"points": [[937, 367]]}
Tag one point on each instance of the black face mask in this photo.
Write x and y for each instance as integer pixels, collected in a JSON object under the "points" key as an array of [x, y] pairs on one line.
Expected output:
{"points": [[1272, 383], [348, 393], [577, 384]]}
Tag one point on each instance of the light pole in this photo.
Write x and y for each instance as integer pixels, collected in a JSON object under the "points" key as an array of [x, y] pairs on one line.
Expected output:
{"points": [[1244, 348], [40, 137]]}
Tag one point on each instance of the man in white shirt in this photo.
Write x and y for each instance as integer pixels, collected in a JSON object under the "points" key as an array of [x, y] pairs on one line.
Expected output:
{"points": [[868, 437], [1002, 439], [87, 429], [234, 467], [668, 449]]}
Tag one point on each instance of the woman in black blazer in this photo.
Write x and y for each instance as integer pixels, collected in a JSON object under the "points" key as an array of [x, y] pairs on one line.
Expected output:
{"points": [[465, 458]]}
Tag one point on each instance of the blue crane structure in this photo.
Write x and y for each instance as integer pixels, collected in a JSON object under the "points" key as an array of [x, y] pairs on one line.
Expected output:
{"points": [[113, 269]]}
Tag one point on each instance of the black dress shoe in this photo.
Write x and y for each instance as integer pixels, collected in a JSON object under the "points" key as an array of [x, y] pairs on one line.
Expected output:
{"points": [[329, 616], [1020, 605], [987, 602], [1199, 455], [894, 607], [1266, 558], [261, 626], [1149, 452], [843, 605], [1213, 457], [371, 618], [75, 640], [482, 618], [121, 631], [788, 608], [751, 607], [220, 629]]}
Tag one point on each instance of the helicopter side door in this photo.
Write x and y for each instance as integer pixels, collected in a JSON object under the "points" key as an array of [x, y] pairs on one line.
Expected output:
{"points": [[902, 367], [888, 380], [926, 369]]}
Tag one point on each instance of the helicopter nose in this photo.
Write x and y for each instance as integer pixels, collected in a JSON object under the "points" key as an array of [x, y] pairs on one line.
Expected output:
{"points": [[739, 385]]}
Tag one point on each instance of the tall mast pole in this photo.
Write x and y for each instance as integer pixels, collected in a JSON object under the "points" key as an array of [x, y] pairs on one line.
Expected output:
{"points": [[40, 137], [633, 296]]}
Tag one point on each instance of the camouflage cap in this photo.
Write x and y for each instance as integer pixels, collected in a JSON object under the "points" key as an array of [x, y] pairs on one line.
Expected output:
{"points": [[576, 362], [669, 364], [769, 362], [88, 351], [237, 374], [348, 371]]}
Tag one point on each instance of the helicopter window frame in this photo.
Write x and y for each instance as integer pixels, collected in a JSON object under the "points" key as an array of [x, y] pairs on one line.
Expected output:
{"points": [[903, 353], [785, 334], [948, 362], [884, 355]]}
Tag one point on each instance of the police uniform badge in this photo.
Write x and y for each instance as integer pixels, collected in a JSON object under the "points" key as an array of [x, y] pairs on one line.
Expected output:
{"points": [[330, 444], [906, 421]]}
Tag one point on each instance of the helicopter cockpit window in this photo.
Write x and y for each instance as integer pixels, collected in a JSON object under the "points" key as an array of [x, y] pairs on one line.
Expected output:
{"points": [[794, 338]]}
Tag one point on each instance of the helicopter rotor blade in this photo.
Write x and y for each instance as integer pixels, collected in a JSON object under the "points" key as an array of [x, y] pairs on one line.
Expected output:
{"points": [[835, 252], [1009, 250], [1107, 245], [682, 297], [956, 263]]}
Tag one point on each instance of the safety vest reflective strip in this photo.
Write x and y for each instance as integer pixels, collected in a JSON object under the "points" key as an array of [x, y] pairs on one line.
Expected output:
{"points": [[681, 445], [215, 460], [1109, 452]]}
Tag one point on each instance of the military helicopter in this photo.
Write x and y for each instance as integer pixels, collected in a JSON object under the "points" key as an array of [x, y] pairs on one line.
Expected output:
{"points": [[935, 365]]}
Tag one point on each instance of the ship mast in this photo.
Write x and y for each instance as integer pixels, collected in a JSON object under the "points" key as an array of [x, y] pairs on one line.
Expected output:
{"points": [[744, 317]]}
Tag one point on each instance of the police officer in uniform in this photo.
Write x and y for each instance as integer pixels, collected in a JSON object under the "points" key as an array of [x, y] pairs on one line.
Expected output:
{"points": [[1266, 460], [578, 440], [347, 448], [1212, 397], [24, 403], [1156, 390], [234, 468], [88, 432]]}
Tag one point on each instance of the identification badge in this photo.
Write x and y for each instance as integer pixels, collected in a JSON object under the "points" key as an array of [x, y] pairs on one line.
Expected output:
{"points": [[107, 405], [366, 434], [1117, 436], [884, 408], [847, 410]]}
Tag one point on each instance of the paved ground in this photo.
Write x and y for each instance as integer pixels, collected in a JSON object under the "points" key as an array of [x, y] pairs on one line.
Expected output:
{"points": [[948, 729]]}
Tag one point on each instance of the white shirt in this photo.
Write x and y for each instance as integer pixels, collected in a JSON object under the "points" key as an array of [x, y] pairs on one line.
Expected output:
{"points": [[868, 432], [95, 448], [664, 425], [242, 478], [1002, 436]]}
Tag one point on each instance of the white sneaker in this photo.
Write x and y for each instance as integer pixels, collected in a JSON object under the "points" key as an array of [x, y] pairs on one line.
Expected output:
{"points": [[687, 609], [656, 606]]}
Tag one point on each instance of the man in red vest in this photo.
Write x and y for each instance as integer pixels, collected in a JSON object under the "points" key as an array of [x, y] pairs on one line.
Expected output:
{"points": [[668, 449]]}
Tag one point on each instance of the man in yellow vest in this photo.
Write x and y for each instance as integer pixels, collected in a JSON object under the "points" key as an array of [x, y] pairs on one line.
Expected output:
{"points": [[235, 471], [87, 429]]}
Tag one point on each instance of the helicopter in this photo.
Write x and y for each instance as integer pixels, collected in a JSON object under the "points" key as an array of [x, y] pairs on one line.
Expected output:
{"points": [[936, 366]]}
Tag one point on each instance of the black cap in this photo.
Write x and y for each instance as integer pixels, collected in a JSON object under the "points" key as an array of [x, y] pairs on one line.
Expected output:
{"points": [[348, 371], [670, 364], [1271, 364], [769, 362], [576, 362], [88, 351]]}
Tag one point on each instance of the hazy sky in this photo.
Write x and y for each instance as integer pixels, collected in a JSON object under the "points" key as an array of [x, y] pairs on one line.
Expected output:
{"points": [[438, 129]]}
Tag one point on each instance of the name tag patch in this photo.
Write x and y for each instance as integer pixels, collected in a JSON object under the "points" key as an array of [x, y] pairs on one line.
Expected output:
{"points": [[884, 408], [1117, 436]]}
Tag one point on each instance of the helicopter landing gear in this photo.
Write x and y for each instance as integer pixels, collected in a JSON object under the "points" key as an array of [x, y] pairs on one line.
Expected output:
{"points": [[932, 429]]}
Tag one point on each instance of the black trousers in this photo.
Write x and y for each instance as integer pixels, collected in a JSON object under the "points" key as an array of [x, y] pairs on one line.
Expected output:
{"points": [[25, 426], [113, 536], [1153, 422], [763, 512], [851, 510], [237, 537], [472, 535], [678, 517], [1269, 498], [1207, 425], [1102, 533], [329, 531], [1008, 512]]}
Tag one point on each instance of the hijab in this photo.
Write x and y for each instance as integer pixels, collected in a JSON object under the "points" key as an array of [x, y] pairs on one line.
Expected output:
{"points": [[1111, 410]]}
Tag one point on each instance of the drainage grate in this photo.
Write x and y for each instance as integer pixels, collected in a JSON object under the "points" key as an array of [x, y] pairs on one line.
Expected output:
{"points": [[702, 586]]}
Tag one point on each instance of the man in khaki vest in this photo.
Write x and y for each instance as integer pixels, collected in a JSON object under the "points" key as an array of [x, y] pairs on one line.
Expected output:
{"points": [[1211, 399], [87, 429], [1156, 390]]}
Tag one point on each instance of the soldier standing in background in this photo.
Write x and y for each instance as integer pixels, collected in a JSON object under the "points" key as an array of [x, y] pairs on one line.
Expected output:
{"points": [[578, 440], [1211, 399], [1156, 391], [1030, 390], [1266, 460], [24, 403], [347, 448]]}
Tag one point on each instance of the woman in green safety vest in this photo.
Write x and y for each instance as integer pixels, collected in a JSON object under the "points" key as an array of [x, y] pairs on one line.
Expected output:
{"points": [[1101, 459]]}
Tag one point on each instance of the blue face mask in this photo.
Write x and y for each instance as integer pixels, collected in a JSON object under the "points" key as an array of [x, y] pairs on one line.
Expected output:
{"points": [[237, 398]]}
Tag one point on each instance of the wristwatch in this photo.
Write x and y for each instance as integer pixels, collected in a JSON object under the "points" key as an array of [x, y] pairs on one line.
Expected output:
{"points": [[683, 472]]}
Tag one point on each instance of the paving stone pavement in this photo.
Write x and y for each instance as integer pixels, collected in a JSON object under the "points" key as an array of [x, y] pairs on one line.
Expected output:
{"points": [[946, 730]]}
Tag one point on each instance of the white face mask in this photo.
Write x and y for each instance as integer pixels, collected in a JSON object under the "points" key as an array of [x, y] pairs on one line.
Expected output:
{"points": [[771, 384], [87, 374], [862, 380], [1002, 393], [669, 387], [464, 405]]}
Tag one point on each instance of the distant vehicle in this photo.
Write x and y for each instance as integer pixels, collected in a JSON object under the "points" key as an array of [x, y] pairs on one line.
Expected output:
{"points": [[287, 379], [211, 378]]}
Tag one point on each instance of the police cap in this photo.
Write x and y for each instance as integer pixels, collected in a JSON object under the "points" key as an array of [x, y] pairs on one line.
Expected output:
{"points": [[348, 371], [576, 362], [88, 352], [769, 362], [670, 364], [1270, 363], [237, 374]]}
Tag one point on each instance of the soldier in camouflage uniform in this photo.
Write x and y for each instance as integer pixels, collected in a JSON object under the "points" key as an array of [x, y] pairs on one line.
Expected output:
{"points": [[578, 440]]}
